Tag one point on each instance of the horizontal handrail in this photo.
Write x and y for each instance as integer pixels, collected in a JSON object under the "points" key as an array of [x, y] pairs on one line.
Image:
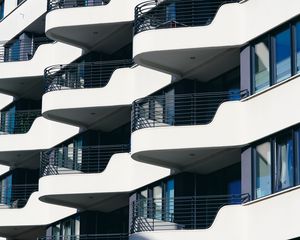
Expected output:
{"points": [[58, 4], [155, 14], [192, 212], [180, 109], [72, 160], [21, 50], [113, 236], [16, 122], [17, 195], [82, 75]]}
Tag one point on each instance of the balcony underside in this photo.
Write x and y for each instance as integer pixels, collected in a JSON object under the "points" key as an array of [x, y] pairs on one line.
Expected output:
{"points": [[182, 50], [236, 123], [103, 191], [22, 232], [21, 159]]}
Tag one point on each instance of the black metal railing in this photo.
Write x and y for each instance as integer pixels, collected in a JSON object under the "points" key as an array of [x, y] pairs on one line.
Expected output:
{"points": [[196, 212], [15, 122], [16, 196], [155, 14], [180, 109], [58, 4], [113, 236], [87, 159], [82, 75], [21, 50]]}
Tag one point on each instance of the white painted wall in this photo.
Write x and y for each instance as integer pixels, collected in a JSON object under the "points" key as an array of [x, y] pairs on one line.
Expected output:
{"points": [[115, 12], [125, 85], [9, 6], [21, 18], [45, 56], [236, 123], [122, 174], [275, 217], [5, 100], [43, 134], [234, 25], [35, 213]]}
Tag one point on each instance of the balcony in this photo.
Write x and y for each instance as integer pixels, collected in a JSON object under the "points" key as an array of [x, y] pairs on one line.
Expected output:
{"points": [[17, 122], [235, 124], [16, 196], [71, 22], [104, 191], [80, 94], [180, 213], [200, 38], [114, 236], [87, 159], [22, 65]]}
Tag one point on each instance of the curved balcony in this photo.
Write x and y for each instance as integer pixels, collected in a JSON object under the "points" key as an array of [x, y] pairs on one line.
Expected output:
{"points": [[200, 38], [235, 124], [5, 100], [31, 220], [155, 14], [22, 68], [87, 159], [25, 14], [23, 150], [86, 100], [242, 222], [104, 191], [180, 213], [113, 236], [71, 22], [17, 122], [82, 75]]}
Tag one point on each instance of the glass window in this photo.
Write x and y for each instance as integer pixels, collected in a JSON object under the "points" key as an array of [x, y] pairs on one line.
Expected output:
{"points": [[283, 55], [143, 199], [1, 9], [157, 202], [284, 177], [261, 66], [263, 178], [298, 46], [170, 201]]}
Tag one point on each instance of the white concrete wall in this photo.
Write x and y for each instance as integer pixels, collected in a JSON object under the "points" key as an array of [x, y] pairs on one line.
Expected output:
{"points": [[45, 56], [234, 25], [43, 134], [236, 123], [21, 18], [122, 174], [275, 217], [125, 85], [35, 213], [9, 6], [5, 100], [115, 12]]}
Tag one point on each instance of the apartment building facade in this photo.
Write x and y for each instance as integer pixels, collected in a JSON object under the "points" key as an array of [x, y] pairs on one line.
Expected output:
{"points": [[149, 120]]}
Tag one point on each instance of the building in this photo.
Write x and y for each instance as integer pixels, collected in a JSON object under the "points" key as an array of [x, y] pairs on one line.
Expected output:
{"points": [[149, 120]]}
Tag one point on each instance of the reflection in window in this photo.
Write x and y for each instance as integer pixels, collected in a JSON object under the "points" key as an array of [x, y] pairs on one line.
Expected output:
{"points": [[284, 162], [157, 202], [262, 65], [283, 55], [263, 170], [170, 201], [298, 46], [143, 199]]}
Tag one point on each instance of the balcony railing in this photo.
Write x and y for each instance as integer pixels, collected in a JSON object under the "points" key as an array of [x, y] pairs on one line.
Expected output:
{"points": [[57, 4], [82, 75], [21, 50], [89, 159], [15, 122], [180, 109], [114, 236], [196, 212], [155, 14], [16, 196]]}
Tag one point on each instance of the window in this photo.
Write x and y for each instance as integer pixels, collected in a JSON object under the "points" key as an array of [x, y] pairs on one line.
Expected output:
{"points": [[284, 176], [283, 55], [143, 199], [298, 47], [157, 202], [169, 205], [263, 177], [1, 9], [261, 65]]}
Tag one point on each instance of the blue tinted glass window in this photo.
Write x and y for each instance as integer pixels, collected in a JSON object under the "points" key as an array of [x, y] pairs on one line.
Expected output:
{"points": [[298, 46], [283, 55], [1, 9]]}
